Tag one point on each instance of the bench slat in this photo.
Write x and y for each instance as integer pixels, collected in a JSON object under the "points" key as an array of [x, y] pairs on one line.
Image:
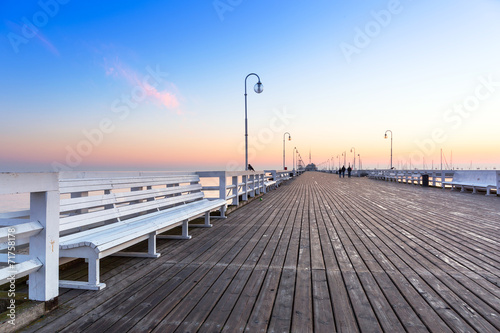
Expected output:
{"points": [[67, 186], [123, 197], [81, 220]]}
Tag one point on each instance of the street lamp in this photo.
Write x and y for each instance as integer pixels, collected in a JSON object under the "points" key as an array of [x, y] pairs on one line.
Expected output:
{"points": [[258, 88], [338, 157], [359, 162], [344, 154], [289, 139], [354, 165], [385, 137]]}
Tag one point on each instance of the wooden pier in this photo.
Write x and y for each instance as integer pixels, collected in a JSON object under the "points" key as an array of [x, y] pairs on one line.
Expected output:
{"points": [[319, 254]]}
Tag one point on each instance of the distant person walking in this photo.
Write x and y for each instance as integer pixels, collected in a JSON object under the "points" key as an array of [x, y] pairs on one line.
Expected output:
{"points": [[349, 169], [343, 171], [340, 172]]}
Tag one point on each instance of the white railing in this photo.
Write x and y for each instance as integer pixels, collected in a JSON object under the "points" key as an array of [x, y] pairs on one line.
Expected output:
{"points": [[278, 175], [40, 230], [230, 185], [436, 177]]}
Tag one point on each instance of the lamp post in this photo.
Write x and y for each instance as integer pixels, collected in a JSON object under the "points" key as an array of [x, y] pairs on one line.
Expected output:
{"points": [[258, 88], [354, 164], [359, 162], [289, 139], [385, 137], [293, 156], [344, 154], [338, 157]]}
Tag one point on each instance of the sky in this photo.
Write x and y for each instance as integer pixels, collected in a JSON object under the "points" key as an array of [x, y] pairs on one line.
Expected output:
{"points": [[159, 85]]}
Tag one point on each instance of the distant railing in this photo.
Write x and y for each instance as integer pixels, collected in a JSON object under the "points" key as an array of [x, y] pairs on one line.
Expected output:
{"points": [[230, 185], [436, 177], [235, 185], [40, 229]]}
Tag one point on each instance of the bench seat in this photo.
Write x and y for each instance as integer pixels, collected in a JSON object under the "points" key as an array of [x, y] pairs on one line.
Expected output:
{"points": [[103, 238]]}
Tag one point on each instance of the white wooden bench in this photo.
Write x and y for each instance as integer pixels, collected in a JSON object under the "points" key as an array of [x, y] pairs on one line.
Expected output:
{"points": [[103, 216], [474, 180]]}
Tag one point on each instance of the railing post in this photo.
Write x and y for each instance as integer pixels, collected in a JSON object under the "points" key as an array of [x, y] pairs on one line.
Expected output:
{"points": [[44, 208], [257, 184], [222, 185], [262, 177], [236, 199], [245, 187], [252, 183], [498, 182]]}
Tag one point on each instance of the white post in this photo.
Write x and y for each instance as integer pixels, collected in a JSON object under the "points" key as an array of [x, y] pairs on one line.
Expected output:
{"points": [[44, 283], [252, 182], [236, 199], [498, 182], [245, 187], [261, 182], [222, 185]]}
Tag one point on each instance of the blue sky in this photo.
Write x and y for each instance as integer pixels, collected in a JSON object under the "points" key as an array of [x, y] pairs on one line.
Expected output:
{"points": [[336, 75]]}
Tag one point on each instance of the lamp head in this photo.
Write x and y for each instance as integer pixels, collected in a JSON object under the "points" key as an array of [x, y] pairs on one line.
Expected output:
{"points": [[259, 87], [289, 138], [385, 137]]}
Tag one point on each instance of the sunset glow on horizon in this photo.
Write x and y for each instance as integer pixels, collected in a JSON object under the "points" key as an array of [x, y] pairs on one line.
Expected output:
{"points": [[160, 85]]}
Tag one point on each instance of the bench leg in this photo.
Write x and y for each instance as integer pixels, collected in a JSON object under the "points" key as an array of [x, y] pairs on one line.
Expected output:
{"points": [[94, 271], [473, 190], [185, 234], [151, 250], [93, 282], [206, 224], [222, 211], [207, 220], [152, 245]]}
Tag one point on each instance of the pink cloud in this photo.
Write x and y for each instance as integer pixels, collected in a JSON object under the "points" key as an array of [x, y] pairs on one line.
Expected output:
{"points": [[167, 98]]}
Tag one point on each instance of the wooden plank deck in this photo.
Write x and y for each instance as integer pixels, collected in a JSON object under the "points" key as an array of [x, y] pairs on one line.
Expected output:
{"points": [[318, 254]]}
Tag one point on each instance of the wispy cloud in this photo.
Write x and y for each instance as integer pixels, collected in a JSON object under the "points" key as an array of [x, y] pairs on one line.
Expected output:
{"points": [[164, 94], [24, 33]]}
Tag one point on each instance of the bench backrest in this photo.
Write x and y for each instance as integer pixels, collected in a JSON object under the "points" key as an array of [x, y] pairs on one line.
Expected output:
{"points": [[91, 202], [483, 177]]}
